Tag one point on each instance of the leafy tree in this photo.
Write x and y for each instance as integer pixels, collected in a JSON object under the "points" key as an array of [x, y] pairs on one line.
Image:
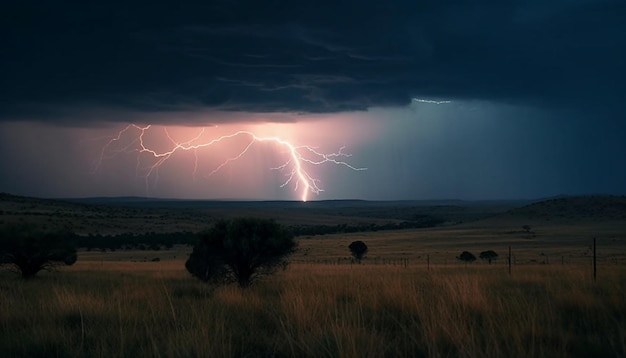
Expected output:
{"points": [[29, 250], [528, 231], [358, 249], [488, 255], [240, 250], [466, 256]]}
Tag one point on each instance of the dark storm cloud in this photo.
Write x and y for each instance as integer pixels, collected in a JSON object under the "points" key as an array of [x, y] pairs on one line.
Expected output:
{"points": [[308, 56]]}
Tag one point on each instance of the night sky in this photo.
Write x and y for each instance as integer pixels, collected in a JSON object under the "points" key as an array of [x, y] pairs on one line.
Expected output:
{"points": [[431, 99]]}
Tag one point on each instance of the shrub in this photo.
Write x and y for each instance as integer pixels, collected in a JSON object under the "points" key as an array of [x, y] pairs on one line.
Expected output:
{"points": [[488, 255], [240, 250], [358, 249], [466, 257], [29, 250]]}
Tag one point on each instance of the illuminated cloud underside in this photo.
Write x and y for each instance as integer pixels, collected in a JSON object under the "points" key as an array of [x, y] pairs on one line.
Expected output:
{"points": [[154, 146]]}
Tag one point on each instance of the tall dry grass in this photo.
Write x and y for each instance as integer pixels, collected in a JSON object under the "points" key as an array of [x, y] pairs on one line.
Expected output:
{"points": [[157, 309]]}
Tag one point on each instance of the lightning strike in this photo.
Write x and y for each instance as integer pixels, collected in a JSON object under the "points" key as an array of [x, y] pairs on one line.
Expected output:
{"points": [[430, 101], [132, 139]]}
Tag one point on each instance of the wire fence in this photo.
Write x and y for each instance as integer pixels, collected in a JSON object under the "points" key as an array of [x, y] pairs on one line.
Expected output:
{"points": [[591, 256]]}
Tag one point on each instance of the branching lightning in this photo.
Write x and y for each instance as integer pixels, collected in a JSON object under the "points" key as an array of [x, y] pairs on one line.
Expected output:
{"points": [[131, 139]]}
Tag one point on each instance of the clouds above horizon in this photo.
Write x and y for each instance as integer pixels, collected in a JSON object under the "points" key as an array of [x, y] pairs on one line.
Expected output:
{"points": [[461, 150], [479, 99], [89, 61]]}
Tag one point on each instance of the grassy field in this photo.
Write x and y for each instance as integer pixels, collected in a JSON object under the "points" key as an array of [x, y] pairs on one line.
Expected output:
{"points": [[410, 298], [128, 309], [549, 243]]}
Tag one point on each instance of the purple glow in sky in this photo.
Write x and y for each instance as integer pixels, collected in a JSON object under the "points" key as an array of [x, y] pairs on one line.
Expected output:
{"points": [[246, 159], [219, 147], [423, 151]]}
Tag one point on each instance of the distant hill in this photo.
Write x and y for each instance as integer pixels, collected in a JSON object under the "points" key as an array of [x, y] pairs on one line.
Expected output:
{"points": [[29, 204], [137, 214], [596, 207]]}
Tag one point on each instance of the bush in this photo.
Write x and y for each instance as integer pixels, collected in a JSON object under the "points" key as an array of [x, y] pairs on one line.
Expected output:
{"points": [[358, 249], [466, 256], [29, 250], [240, 250], [488, 255]]}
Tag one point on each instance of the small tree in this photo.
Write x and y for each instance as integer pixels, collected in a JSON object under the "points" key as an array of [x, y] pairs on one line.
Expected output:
{"points": [[488, 255], [358, 249], [466, 256], [240, 250], [29, 251]]}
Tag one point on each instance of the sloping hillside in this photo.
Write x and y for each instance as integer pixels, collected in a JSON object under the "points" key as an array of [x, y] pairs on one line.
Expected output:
{"points": [[120, 215], [596, 208]]}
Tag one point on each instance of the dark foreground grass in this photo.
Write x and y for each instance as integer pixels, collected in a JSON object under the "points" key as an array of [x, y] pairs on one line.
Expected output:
{"points": [[157, 310]]}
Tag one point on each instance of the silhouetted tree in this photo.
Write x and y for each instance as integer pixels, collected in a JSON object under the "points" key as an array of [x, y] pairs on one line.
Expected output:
{"points": [[358, 249], [29, 250], [466, 256], [488, 255], [240, 250]]}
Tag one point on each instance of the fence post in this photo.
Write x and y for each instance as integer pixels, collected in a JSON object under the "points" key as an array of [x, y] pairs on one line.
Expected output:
{"points": [[594, 260], [509, 260]]}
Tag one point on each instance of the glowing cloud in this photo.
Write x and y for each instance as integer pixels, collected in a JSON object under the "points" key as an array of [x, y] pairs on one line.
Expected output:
{"points": [[155, 146]]}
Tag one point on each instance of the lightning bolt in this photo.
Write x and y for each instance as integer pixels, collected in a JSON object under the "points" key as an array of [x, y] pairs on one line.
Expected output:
{"points": [[430, 101], [299, 156]]}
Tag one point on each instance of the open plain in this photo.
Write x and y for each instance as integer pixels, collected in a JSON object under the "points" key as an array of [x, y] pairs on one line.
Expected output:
{"points": [[409, 297]]}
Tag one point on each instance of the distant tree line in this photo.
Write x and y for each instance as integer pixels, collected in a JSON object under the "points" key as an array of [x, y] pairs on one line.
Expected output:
{"points": [[302, 230], [158, 241], [131, 241]]}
